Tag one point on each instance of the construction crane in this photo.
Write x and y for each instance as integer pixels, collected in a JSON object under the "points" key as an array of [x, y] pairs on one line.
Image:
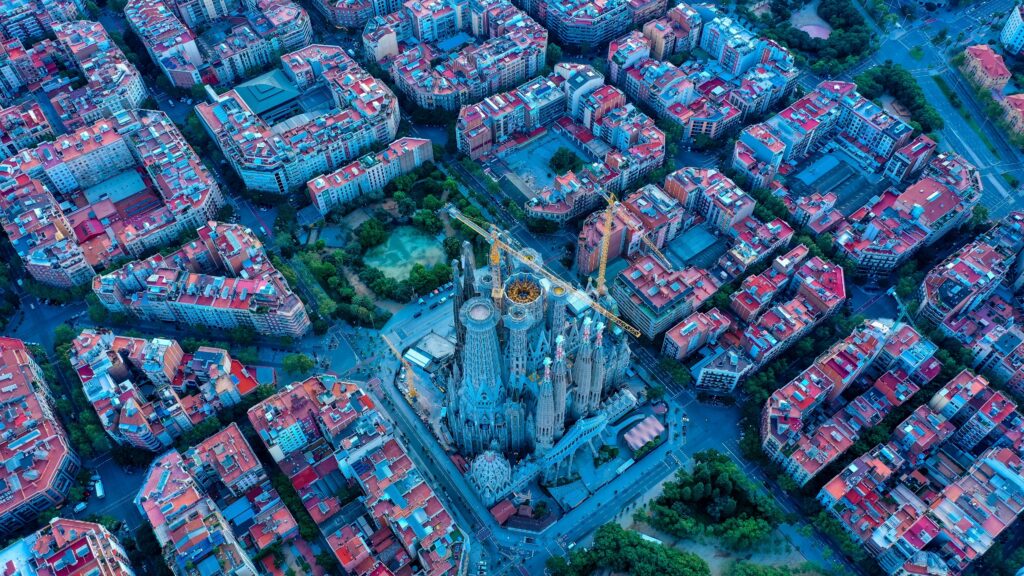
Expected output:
{"points": [[602, 268], [410, 393], [495, 238]]}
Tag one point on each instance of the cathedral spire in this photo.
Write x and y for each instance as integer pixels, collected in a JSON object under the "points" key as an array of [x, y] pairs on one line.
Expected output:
{"points": [[546, 411], [582, 373], [560, 385], [598, 369]]}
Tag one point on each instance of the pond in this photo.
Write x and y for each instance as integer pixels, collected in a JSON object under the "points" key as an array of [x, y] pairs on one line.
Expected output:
{"points": [[405, 247]]}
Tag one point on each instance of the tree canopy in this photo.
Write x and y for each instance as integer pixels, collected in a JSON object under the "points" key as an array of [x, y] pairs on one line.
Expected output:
{"points": [[716, 498], [564, 160], [896, 81], [624, 551]]}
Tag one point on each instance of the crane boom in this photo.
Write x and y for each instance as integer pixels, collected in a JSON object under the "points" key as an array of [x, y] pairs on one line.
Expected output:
{"points": [[538, 268], [411, 386]]}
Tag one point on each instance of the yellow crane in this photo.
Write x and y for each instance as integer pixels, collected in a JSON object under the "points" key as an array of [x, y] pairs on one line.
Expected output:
{"points": [[602, 267], [606, 238], [494, 236], [410, 393]]}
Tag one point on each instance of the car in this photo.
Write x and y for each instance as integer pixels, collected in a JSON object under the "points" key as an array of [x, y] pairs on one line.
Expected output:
{"points": [[434, 292], [434, 305], [418, 314], [99, 490], [420, 301], [80, 507], [444, 299]]}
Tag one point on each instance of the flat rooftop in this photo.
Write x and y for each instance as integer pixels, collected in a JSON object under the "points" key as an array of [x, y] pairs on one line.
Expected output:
{"points": [[120, 187]]}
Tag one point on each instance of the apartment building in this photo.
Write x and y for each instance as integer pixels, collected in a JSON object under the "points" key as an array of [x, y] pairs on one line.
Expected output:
{"points": [[369, 174], [693, 333], [112, 82], [678, 31], [931, 498], [510, 51], [986, 67], [326, 434], [27, 20], [23, 126], [757, 291], [82, 74], [283, 156], [1012, 34], [223, 280], [891, 227], [721, 371], [758, 155], [831, 373], [191, 529], [41, 466], [711, 194], [584, 23], [260, 29], [625, 238], [67, 547], [147, 393], [654, 298], [909, 160], [64, 221], [705, 99]]}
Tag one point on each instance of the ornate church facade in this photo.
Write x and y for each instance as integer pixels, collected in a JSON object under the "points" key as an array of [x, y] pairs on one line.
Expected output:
{"points": [[525, 371]]}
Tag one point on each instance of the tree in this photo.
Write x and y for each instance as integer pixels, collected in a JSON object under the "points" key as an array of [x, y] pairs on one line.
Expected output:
{"points": [[297, 364], [553, 55], [371, 233], [893, 79], [427, 221], [564, 160], [63, 334], [198, 92], [979, 217], [624, 551]]}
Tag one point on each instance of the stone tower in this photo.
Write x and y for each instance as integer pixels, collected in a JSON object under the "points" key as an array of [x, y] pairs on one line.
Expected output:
{"points": [[478, 414], [546, 411], [598, 370], [517, 350], [560, 381], [557, 297], [582, 372]]}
